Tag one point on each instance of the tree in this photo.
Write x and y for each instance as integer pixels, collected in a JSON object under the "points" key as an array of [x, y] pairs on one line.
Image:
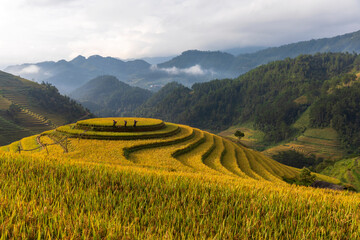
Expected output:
{"points": [[305, 177], [239, 134]]}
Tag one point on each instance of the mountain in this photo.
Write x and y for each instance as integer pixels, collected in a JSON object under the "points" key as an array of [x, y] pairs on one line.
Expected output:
{"points": [[273, 97], [69, 75], [190, 67], [157, 60], [27, 108], [243, 50], [343, 43], [107, 96], [228, 66], [215, 61]]}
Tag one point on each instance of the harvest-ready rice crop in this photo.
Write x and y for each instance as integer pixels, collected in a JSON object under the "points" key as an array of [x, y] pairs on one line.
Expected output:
{"points": [[57, 199], [162, 188]]}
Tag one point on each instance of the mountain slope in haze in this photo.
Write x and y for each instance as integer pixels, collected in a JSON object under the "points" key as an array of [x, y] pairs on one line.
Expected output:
{"points": [[107, 96], [188, 68], [343, 43], [67, 76], [217, 62], [231, 66], [273, 97], [27, 108]]}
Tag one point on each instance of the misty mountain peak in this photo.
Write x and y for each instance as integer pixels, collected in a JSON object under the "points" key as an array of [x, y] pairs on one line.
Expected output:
{"points": [[79, 59]]}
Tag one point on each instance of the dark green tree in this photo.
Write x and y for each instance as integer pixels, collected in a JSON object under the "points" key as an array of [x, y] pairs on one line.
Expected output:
{"points": [[239, 134]]}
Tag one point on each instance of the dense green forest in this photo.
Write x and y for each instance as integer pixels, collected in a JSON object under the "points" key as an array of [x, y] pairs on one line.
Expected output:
{"points": [[272, 96], [340, 110]]}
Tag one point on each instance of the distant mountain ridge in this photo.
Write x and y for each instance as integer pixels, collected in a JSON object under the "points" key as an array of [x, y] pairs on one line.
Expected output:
{"points": [[69, 75], [218, 61], [190, 67], [349, 42]]}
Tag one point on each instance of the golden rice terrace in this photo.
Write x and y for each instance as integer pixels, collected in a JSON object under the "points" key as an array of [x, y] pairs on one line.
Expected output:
{"points": [[102, 179], [154, 144]]}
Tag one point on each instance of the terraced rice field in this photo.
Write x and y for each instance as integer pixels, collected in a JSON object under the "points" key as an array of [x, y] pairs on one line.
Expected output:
{"points": [[4, 103], [184, 184], [251, 139], [11, 131], [319, 142], [154, 144], [347, 170], [26, 117]]}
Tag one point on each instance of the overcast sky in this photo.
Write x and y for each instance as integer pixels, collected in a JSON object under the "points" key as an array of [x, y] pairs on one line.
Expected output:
{"points": [[39, 30]]}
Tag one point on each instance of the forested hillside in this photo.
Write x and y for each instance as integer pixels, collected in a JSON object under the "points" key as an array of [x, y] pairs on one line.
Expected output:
{"points": [[107, 96], [272, 96]]}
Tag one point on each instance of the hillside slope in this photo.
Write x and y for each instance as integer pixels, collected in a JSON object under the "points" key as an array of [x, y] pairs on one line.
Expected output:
{"points": [[27, 108], [347, 170], [273, 97], [154, 144], [107, 96], [94, 179]]}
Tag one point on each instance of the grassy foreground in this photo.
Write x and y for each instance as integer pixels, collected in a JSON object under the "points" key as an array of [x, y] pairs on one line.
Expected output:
{"points": [[51, 198]]}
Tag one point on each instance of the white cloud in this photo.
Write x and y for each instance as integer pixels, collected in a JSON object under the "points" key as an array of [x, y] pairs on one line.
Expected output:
{"points": [[48, 2], [194, 70], [31, 69], [38, 30]]}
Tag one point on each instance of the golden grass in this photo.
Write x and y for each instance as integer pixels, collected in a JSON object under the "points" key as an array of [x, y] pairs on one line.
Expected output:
{"points": [[194, 157], [183, 151], [168, 130], [213, 160], [29, 143], [54, 198], [95, 192], [108, 122]]}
